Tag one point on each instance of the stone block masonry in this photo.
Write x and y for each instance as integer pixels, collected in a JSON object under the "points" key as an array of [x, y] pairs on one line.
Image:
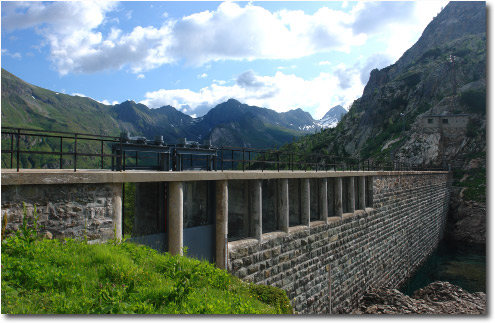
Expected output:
{"points": [[326, 267], [91, 211]]}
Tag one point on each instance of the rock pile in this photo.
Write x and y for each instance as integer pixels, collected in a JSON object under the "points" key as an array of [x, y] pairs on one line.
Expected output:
{"points": [[436, 298]]}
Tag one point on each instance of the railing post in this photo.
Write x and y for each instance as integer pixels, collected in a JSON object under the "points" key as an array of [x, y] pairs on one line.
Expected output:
{"points": [[18, 146], [263, 162], [121, 155], [61, 154], [75, 151], [102, 154], [11, 150], [221, 157], [243, 162]]}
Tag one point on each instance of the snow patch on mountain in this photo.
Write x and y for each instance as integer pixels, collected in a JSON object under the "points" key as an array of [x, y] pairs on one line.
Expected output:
{"points": [[332, 117]]}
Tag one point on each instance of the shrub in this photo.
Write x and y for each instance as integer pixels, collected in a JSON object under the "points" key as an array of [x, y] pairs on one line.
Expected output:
{"points": [[412, 80], [273, 296]]}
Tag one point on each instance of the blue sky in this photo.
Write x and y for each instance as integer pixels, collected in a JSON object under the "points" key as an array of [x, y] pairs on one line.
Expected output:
{"points": [[280, 55]]}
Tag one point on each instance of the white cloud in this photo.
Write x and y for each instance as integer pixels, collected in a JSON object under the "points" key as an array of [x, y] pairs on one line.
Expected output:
{"points": [[398, 25], [77, 44], [280, 92], [106, 102], [286, 67], [63, 17], [15, 55], [230, 32], [140, 76], [324, 63], [202, 76]]}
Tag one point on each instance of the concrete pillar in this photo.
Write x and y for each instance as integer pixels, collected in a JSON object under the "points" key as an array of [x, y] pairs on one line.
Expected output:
{"points": [[362, 193], [283, 204], [246, 221], [369, 196], [221, 229], [351, 197], [117, 209], [305, 202], [176, 214], [338, 197], [331, 197], [323, 200], [256, 208]]}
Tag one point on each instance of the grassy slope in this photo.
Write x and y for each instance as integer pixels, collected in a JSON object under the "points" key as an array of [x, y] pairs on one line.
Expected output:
{"points": [[28, 106], [50, 276]]}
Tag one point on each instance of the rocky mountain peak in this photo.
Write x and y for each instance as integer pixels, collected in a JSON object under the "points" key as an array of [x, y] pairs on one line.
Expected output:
{"points": [[457, 19], [332, 117]]}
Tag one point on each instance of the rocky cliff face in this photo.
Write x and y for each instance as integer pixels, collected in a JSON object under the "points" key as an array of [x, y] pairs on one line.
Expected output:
{"points": [[386, 122]]}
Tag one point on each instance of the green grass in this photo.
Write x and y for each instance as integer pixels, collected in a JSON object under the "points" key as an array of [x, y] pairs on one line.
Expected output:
{"points": [[55, 277]]}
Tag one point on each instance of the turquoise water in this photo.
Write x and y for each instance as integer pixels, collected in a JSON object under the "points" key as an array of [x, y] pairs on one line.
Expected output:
{"points": [[457, 263]]}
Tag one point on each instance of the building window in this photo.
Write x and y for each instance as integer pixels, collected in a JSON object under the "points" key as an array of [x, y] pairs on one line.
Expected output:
{"points": [[430, 121], [445, 121]]}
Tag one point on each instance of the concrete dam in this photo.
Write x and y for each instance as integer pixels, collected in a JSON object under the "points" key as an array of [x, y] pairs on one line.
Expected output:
{"points": [[323, 237]]}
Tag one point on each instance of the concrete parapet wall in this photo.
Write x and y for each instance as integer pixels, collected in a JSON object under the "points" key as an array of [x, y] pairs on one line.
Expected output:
{"points": [[325, 267]]}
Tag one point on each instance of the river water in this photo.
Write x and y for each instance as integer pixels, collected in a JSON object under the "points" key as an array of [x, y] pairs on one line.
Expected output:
{"points": [[457, 263]]}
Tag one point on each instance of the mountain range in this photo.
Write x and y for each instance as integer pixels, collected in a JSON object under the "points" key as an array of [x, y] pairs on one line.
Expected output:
{"points": [[443, 73], [230, 123]]}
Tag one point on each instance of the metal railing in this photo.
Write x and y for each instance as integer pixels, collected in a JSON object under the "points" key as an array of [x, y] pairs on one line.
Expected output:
{"points": [[21, 137], [63, 146]]}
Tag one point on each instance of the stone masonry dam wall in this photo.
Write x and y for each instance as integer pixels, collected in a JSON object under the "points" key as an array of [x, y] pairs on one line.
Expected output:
{"points": [[326, 267], [322, 237]]}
